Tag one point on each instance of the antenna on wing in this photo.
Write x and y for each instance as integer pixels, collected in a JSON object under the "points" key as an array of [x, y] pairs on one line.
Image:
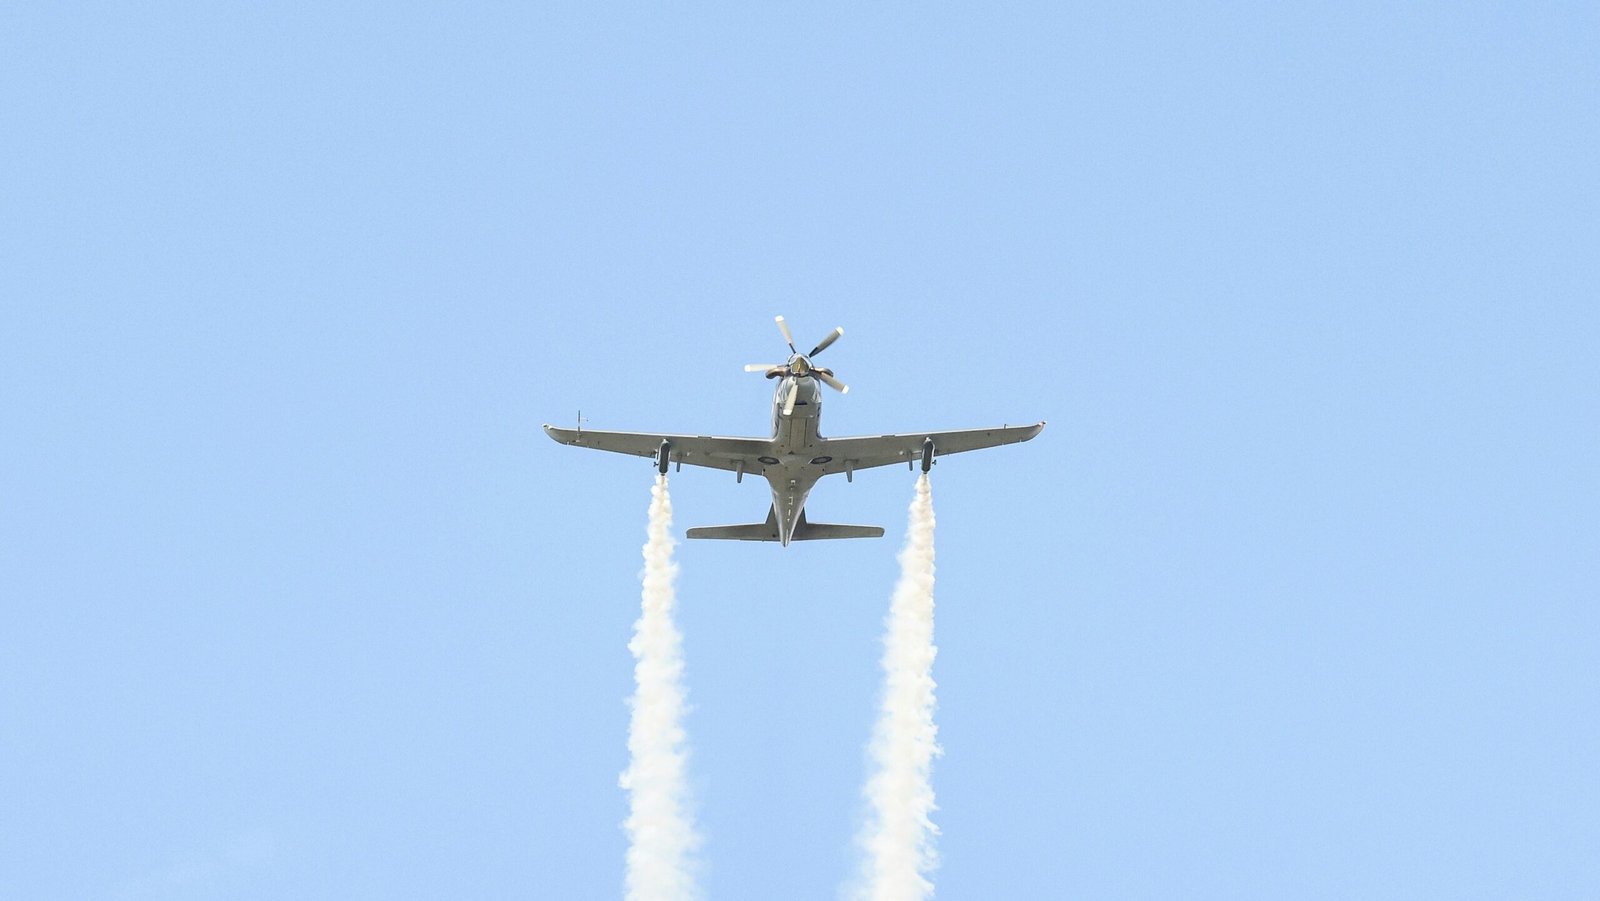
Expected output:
{"points": [[580, 422]]}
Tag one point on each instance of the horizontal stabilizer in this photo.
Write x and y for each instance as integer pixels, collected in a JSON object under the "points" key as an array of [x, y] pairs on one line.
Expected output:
{"points": [[756, 531], [805, 531]]}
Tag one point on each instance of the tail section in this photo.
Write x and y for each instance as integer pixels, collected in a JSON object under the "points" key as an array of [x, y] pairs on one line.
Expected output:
{"points": [[803, 531]]}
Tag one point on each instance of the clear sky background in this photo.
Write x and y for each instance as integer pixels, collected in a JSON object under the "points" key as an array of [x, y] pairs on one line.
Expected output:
{"points": [[1294, 598]]}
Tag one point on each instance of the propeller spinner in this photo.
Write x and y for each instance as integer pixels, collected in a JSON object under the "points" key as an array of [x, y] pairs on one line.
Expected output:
{"points": [[799, 366]]}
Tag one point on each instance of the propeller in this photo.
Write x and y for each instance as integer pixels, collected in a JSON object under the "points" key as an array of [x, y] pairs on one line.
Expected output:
{"points": [[822, 345], [784, 327], [799, 365], [831, 382]]}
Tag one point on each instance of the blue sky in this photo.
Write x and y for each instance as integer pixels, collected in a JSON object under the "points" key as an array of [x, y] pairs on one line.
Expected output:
{"points": [[1295, 597]]}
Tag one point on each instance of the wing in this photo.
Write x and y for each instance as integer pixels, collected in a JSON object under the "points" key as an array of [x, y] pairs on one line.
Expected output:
{"points": [[868, 451], [695, 450]]}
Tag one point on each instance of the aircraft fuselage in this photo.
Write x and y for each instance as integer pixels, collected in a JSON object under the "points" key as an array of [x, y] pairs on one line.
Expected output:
{"points": [[796, 462]]}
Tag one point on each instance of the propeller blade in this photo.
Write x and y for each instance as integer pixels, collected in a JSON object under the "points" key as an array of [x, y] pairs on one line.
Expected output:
{"points": [[835, 384], [784, 327], [822, 345], [794, 392], [762, 367]]}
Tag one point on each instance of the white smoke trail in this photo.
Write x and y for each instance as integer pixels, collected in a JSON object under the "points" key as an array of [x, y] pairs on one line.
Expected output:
{"points": [[898, 838], [661, 834]]}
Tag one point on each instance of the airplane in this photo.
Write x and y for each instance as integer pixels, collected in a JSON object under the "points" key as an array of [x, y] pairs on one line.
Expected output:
{"points": [[797, 455]]}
